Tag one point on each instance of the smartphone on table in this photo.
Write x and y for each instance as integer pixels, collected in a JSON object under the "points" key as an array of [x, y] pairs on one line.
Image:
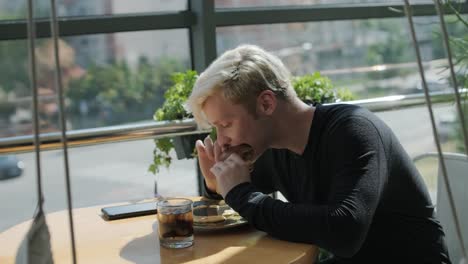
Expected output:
{"points": [[137, 209], [129, 210]]}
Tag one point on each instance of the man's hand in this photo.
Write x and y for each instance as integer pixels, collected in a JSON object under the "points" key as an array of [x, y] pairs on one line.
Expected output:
{"points": [[208, 153], [230, 173]]}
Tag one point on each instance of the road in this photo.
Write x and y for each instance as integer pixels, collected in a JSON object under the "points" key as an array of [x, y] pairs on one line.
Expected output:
{"points": [[118, 172]]}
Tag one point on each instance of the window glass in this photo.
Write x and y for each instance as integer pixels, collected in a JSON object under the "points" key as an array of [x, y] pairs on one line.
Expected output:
{"points": [[371, 58], [100, 175], [109, 79], [18, 9]]}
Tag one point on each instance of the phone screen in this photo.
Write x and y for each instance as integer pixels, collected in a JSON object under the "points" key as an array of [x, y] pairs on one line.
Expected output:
{"points": [[129, 210]]}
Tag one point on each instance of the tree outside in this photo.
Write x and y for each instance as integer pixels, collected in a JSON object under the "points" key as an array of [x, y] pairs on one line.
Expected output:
{"points": [[115, 93]]}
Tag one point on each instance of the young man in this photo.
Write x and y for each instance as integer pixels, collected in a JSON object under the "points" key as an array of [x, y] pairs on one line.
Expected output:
{"points": [[350, 186]]}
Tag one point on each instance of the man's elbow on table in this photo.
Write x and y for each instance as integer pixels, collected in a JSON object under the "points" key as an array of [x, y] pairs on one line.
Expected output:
{"points": [[342, 244], [346, 249], [344, 238], [348, 237]]}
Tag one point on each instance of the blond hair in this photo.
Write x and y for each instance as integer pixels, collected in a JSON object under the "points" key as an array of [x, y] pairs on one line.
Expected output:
{"points": [[241, 74]]}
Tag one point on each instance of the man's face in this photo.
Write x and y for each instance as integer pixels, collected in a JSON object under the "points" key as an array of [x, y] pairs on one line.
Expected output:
{"points": [[235, 125]]}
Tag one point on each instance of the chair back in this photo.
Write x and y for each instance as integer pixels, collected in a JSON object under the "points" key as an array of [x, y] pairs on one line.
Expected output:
{"points": [[457, 170]]}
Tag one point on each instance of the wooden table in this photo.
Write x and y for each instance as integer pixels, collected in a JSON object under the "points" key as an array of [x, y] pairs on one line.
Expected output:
{"points": [[135, 240]]}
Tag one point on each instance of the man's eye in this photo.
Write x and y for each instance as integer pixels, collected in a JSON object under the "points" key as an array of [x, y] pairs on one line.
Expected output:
{"points": [[226, 125]]}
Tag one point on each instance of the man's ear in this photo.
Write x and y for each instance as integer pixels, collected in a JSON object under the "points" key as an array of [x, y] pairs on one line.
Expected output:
{"points": [[266, 102]]}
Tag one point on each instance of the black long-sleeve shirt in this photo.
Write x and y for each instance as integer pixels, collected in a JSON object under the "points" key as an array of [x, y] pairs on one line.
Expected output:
{"points": [[354, 191]]}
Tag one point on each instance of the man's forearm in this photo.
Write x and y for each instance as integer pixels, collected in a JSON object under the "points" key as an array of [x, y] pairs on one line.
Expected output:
{"points": [[298, 222]]}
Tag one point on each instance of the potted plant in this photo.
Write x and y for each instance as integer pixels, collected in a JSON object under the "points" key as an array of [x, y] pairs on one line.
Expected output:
{"points": [[173, 109], [315, 88], [309, 88], [460, 54]]}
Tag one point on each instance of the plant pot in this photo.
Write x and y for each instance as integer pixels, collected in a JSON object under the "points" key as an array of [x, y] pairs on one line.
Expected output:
{"points": [[185, 145]]}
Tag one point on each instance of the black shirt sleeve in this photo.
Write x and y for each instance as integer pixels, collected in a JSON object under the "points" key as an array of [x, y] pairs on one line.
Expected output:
{"points": [[209, 194], [263, 168], [355, 158]]}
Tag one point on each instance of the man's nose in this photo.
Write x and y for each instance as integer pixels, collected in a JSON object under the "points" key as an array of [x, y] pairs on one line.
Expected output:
{"points": [[223, 142]]}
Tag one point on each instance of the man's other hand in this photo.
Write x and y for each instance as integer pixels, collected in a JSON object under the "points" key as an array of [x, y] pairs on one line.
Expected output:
{"points": [[229, 173], [207, 157]]}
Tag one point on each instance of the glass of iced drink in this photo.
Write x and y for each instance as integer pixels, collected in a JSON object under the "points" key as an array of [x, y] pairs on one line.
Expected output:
{"points": [[175, 219]]}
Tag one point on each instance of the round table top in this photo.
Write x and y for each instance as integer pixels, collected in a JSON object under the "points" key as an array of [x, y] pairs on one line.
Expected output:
{"points": [[135, 240]]}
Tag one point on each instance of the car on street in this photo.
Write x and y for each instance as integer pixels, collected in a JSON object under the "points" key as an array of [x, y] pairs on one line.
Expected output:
{"points": [[10, 167]]}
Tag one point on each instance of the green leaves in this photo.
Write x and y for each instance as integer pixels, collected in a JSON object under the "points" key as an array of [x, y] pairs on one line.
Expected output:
{"points": [[317, 88], [213, 134], [13, 67], [161, 154], [459, 46], [176, 96], [123, 89], [172, 109]]}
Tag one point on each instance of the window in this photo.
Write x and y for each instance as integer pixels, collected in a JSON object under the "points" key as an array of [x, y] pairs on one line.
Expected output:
{"points": [[102, 174], [109, 79], [372, 58], [18, 9]]}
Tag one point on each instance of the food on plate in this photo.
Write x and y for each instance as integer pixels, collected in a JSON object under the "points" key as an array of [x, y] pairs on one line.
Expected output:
{"points": [[207, 214], [229, 212]]}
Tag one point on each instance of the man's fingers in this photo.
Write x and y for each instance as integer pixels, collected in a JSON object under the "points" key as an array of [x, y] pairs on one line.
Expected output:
{"points": [[200, 147], [217, 168], [229, 163], [234, 158], [217, 152], [209, 147]]}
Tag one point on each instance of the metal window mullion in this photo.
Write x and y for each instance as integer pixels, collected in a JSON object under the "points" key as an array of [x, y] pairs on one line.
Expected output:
{"points": [[68, 26], [16, 29], [297, 14], [202, 48], [202, 34]]}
